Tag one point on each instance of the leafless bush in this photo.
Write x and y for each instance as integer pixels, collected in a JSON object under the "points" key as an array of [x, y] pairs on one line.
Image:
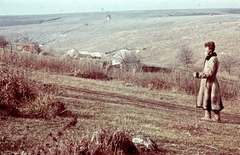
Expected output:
{"points": [[3, 42], [228, 63], [15, 88], [22, 97], [229, 90], [186, 56], [90, 69]]}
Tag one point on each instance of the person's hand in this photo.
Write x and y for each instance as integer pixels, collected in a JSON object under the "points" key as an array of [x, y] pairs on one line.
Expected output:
{"points": [[196, 74]]}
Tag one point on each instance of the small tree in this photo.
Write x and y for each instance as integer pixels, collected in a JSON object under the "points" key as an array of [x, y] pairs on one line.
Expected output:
{"points": [[3, 42], [228, 63], [37, 47], [186, 56]]}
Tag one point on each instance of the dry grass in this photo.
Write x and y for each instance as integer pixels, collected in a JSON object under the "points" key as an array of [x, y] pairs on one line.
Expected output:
{"points": [[100, 142], [119, 107], [21, 96], [178, 79]]}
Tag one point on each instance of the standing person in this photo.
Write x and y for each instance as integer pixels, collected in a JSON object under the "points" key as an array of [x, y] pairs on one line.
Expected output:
{"points": [[209, 97]]}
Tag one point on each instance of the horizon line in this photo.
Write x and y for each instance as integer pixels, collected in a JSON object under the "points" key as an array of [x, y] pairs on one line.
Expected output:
{"points": [[103, 11]]}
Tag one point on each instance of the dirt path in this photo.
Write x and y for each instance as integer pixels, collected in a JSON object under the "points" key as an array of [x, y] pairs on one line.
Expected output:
{"points": [[118, 93], [136, 100]]}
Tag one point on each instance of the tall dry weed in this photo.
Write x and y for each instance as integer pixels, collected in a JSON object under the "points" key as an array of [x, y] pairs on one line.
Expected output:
{"points": [[100, 142], [179, 80], [229, 90], [16, 88], [21, 96]]}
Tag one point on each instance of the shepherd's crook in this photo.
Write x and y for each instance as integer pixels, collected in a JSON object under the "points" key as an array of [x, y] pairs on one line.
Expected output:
{"points": [[195, 81]]}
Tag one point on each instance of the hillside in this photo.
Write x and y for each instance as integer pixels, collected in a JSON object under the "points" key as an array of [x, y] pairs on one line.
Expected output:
{"points": [[168, 118], [158, 35]]}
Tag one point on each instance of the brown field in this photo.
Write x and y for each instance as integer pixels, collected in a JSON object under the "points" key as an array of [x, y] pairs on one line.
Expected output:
{"points": [[123, 104], [167, 116]]}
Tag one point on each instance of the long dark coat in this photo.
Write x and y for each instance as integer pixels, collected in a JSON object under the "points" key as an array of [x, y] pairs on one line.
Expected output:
{"points": [[209, 97]]}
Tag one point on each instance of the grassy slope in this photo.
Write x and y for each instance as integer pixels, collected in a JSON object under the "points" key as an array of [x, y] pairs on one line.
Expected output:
{"points": [[168, 118]]}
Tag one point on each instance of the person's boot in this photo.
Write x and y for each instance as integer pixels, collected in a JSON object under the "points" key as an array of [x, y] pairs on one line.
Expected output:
{"points": [[207, 116], [216, 117]]}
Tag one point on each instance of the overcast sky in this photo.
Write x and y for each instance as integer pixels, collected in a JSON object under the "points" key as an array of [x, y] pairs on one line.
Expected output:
{"points": [[24, 7]]}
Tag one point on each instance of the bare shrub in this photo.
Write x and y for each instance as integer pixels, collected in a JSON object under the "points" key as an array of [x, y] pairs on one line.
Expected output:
{"points": [[3, 42], [15, 88], [91, 70], [186, 56], [100, 142], [228, 63], [36, 47], [158, 80], [22, 97], [229, 90]]}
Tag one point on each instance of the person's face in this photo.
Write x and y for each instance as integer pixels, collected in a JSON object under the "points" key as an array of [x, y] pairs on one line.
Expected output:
{"points": [[206, 51]]}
